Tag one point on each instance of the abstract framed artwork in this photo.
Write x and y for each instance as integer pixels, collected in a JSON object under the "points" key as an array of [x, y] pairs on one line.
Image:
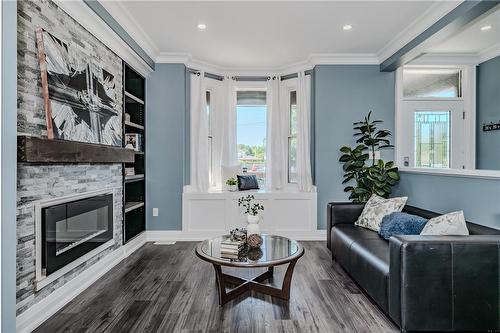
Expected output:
{"points": [[81, 98]]}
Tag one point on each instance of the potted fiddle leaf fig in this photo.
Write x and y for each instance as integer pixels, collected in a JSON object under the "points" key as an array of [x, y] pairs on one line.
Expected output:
{"points": [[368, 174]]}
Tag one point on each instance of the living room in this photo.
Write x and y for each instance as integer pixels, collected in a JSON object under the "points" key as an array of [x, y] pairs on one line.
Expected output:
{"points": [[250, 166]]}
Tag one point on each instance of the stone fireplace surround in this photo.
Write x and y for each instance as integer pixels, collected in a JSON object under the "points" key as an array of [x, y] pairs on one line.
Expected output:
{"points": [[36, 182]]}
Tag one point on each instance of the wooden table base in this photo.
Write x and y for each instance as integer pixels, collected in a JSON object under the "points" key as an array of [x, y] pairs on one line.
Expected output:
{"points": [[242, 286]]}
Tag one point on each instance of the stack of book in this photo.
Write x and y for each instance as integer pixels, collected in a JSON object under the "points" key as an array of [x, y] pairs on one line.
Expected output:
{"points": [[230, 248]]}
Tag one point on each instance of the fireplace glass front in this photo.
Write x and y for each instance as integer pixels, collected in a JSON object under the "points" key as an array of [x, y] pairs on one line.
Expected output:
{"points": [[72, 229]]}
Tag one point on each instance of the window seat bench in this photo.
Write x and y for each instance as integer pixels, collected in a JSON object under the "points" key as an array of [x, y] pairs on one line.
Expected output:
{"points": [[286, 213]]}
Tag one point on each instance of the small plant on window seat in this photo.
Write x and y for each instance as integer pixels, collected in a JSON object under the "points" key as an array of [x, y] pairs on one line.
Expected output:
{"points": [[232, 182], [370, 175]]}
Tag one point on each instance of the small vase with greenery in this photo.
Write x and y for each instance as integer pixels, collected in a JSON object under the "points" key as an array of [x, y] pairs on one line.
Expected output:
{"points": [[232, 183], [251, 209], [369, 174]]}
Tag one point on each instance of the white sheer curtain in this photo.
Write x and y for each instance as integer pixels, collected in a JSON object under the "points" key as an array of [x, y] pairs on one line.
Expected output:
{"points": [[199, 134], [229, 149], [304, 179], [276, 146]]}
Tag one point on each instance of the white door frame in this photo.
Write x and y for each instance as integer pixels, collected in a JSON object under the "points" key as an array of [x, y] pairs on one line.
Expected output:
{"points": [[468, 107]]}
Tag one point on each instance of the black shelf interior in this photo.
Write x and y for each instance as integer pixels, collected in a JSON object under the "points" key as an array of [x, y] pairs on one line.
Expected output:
{"points": [[134, 219], [135, 223], [134, 83]]}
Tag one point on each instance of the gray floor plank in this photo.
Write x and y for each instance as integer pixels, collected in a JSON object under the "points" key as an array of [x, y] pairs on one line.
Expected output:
{"points": [[166, 288]]}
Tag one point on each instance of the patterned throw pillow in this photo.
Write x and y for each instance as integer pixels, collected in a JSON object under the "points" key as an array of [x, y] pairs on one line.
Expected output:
{"points": [[247, 182], [376, 208], [451, 224]]}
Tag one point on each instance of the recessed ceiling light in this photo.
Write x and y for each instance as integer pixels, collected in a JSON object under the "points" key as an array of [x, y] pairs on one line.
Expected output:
{"points": [[202, 26], [347, 27], [486, 28]]}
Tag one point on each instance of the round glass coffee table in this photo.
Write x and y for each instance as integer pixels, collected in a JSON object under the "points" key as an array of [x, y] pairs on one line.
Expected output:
{"points": [[274, 251]]}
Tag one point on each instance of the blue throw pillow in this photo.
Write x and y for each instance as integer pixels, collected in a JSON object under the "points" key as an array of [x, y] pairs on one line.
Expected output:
{"points": [[401, 224]]}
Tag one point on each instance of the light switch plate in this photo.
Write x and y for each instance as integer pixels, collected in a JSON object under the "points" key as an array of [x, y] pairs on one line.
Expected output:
{"points": [[155, 211]]}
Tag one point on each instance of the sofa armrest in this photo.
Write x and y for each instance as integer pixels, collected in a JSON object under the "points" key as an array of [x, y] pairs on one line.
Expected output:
{"points": [[341, 213], [448, 283]]}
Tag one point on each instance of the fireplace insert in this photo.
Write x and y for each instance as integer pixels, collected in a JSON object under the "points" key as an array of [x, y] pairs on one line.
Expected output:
{"points": [[74, 228]]}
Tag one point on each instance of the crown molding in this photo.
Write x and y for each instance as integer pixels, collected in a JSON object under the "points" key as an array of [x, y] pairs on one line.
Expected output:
{"points": [[490, 53], [173, 58], [344, 59], [420, 24], [313, 60], [82, 13], [123, 16]]}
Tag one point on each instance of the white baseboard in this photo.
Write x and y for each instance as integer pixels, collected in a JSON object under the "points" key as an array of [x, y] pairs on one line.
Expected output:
{"points": [[134, 244], [43, 310], [177, 235]]}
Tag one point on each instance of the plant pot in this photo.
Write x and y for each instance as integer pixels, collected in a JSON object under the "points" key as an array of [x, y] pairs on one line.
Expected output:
{"points": [[253, 225], [233, 188], [253, 218]]}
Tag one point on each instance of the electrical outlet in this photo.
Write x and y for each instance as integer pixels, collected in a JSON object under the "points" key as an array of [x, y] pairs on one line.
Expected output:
{"points": [[155, 211]]}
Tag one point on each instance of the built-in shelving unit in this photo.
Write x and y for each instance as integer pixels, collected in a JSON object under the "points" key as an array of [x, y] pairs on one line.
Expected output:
{"points": [[134, 122], [134, 178]]}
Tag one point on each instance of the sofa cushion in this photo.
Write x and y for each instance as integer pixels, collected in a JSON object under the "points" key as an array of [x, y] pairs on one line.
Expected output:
{"points": [[376, 208], [447, 224], [399, 223], [365, 256]]}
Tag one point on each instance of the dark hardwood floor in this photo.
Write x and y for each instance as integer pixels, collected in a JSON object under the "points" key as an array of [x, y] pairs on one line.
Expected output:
{"points": [[166, 288]]}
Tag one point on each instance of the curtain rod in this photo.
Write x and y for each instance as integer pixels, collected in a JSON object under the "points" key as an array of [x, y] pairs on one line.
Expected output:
{"points": [[207, 75], [247, 78]]}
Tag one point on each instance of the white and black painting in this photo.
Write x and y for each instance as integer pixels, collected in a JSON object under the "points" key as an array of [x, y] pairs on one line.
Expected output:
{"points": [[80, 97]]}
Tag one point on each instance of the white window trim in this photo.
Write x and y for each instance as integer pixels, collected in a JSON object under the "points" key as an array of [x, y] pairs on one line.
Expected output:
{"points": [[216, 94], [469, 98], [288, 86]]}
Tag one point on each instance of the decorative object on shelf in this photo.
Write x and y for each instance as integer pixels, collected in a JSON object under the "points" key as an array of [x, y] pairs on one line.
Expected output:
{"points": [[238, 234], [233, 184], [371, 175], [254, 241], [80, 97], [251, 209], [127, 117], [255, 254], [491, 127], [133, 141], [130, 171]]}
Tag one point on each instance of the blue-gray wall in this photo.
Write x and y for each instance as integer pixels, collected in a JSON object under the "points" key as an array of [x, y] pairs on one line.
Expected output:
{"points": [[478, 198], [8, 160], [165, 137], [487, 111], [344, 94]]}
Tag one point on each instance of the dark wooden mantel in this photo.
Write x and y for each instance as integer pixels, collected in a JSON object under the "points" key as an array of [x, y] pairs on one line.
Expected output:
{"points": [[40, 150]]}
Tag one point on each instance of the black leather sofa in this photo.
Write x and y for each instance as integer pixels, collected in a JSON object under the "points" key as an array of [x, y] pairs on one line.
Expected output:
{"points": [[424, 283]]}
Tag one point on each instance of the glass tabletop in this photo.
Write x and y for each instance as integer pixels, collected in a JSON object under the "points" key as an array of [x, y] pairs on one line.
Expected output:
{"points": [[273, 250]]}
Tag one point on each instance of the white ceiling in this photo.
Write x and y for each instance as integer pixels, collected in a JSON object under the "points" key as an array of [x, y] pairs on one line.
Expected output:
{"points": [[268, 34], [471, 39]]}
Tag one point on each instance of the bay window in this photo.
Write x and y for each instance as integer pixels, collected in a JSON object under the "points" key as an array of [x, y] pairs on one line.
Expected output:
{"points": [[247, 127]]}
